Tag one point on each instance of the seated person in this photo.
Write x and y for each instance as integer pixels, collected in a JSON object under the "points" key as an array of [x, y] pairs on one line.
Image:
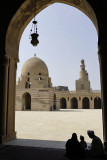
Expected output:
{"points": [[83, 143], [96, 148], [73, 148]]}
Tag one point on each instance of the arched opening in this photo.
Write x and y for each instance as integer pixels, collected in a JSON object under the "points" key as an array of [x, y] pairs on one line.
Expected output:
{"points": [[85, 103], [54, 101], [97, 103], [74, 103], [68, 101], [26, 101], [27, 18], [62, 103]]}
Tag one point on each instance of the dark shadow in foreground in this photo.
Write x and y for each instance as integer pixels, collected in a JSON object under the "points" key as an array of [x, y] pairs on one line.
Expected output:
{"points": [[19, 152], [33, 153]]}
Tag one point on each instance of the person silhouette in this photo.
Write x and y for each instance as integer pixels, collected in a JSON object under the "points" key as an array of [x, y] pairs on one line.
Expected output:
{"points": [[83, 143], [73, 149], [96, 148]]}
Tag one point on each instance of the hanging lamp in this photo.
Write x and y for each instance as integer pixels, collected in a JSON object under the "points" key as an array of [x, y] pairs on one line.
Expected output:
{"points": [[33, 32]]}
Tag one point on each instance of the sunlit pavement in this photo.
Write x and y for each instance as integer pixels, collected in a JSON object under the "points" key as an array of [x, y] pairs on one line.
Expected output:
{"points": [[52, 129], [42, 135]]}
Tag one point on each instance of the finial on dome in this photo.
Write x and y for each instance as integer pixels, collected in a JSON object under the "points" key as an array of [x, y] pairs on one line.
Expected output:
{"points": [[82, 61], [34, 54]]}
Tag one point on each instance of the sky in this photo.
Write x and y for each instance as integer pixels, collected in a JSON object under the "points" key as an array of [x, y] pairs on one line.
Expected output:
{"points": [[66, 36]]}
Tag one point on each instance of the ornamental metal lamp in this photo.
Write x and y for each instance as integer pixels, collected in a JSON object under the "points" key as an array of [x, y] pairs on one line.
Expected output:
{"points": [[33, 32]]}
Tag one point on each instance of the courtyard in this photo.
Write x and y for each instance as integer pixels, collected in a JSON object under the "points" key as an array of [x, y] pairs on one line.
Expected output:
{"points": [[52, 129]]}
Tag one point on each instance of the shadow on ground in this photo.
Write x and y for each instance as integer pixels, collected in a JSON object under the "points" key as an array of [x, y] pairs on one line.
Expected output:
{"points": [[37, 143], [9, 152]]}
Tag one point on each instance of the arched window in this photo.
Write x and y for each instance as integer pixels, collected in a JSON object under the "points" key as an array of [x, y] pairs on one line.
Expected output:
{"points": [[97, 103], [74, 103], [28, 73], [27, 84], [39, 78], [63, 103], [85, 103]]}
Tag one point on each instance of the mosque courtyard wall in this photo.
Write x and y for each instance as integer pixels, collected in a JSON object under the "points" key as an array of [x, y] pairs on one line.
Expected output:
{"points": [[34, 90], [43, 99]]}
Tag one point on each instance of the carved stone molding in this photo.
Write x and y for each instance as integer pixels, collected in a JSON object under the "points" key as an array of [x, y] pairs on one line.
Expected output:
{"points": [[16, 61]]}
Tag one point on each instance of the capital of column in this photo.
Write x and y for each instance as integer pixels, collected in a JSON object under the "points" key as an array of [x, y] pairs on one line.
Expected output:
{"points": [[16, 61], [4, 60]]}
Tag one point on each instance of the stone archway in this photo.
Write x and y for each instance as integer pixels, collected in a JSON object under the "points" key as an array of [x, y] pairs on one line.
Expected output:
{"points": [[26, 101], [74, 103], [97, 103], [85, 103], [26, 12], [16, 26], [63, 103]]}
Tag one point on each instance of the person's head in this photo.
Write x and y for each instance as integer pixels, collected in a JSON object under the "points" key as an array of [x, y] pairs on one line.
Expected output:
{"points": [[74, 136], [82, 138], [90, 134]]}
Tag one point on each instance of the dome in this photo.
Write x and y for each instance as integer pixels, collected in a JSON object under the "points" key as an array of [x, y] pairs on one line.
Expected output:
{"points": [[34, 66]]}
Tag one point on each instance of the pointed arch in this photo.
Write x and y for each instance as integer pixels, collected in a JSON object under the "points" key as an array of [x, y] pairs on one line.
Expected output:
{"points": [[63, 103], [97, 103], [85, 103], [74, 103], [26, 12]]}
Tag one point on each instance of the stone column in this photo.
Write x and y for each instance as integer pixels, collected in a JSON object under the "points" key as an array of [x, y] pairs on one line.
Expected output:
{"points": [[58, 103], [4, 62], [68, 103], [11, 99], [91, 104], [79, 103], [102, 53]]}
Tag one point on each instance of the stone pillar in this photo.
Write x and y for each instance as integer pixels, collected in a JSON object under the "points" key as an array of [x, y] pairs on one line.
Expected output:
{"points": [[11, 100], [91, 104], [4, 61], [58, 104], [102, 53], [79, 103], [68, 103]]}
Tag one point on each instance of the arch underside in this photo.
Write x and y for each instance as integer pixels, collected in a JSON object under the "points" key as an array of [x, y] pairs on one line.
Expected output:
{"points": [[26, 12]]}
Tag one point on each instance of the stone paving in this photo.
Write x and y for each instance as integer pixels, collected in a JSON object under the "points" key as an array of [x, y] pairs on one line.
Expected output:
{"points": [[52, 129]]}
